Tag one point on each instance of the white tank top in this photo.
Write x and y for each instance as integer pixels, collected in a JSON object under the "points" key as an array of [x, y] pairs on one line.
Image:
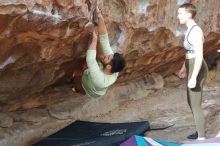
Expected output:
{"points": [[187, 45]]}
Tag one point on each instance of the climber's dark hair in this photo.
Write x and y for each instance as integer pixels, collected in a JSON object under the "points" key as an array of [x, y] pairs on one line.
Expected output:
{"points": [[117, 63], [189, 8]]}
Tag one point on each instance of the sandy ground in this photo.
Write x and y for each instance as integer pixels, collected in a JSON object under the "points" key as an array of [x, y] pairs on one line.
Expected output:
{"points": [[169, 106], [162, 107]]}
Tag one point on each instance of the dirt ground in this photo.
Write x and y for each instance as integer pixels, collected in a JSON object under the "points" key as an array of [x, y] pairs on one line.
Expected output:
{"points": [[169, 106], [162, 106]]}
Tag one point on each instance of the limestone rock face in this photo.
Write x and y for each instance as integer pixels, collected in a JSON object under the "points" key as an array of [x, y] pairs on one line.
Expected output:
{"points": [[43, 41]]}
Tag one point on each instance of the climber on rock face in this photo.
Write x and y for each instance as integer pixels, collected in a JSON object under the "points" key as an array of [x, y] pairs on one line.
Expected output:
{"points": [[99, 75]]}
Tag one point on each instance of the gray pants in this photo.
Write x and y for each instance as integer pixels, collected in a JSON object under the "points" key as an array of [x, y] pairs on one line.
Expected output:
{"points": [[194, 95]]}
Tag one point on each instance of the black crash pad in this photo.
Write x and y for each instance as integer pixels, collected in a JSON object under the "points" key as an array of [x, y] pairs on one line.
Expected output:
{"points": [[82, 133]]}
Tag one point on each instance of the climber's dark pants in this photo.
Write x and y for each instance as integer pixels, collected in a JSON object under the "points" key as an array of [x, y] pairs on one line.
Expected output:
{"points": [[78, 85], [194, 95]]}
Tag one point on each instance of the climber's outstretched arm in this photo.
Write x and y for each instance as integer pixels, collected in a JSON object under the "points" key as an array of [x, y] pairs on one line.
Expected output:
{"points": [[102, 30]]}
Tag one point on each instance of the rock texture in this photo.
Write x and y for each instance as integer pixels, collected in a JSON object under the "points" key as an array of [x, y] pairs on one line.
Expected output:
{"points": [[42, 42], [139, 100], [27, 127]]}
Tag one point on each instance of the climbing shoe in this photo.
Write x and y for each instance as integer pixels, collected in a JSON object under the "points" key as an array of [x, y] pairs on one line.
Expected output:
{"points": [[193, 136]]}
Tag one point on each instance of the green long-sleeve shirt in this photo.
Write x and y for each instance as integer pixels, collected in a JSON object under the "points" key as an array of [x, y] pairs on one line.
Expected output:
{"points": [[94, 81]]}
